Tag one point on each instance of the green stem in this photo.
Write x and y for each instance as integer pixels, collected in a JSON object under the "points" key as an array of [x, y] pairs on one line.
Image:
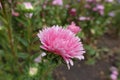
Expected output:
{"points": [[10, 33], [29, 35], [8, 24]]}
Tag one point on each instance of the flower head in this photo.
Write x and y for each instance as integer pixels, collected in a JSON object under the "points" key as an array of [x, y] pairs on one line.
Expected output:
{"points": [[15, 13], [39, 58], [87, 6], [72, 12], [111, 14], [72, 27], [113, 77], [109, 1], [114, 74], [28, 5], [63, 42], [57, 2], [99, 8], [33, 71], [84, 18]]}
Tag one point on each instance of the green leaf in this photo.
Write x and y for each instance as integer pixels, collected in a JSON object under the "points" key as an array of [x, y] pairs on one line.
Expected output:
{"points": [[22, 21], [22, 55], [91, 61], [4, 20], [90, 50], [23, 41], [1, 52]]}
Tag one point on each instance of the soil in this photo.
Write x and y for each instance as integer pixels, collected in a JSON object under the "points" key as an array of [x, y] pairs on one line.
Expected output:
{"points": [[100, 70]]}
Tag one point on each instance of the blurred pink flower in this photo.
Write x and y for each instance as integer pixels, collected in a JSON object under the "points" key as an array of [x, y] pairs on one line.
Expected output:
{"points": [[67, 6], [75, 29], [109, 1], [94, 9], [99, 8], [44, 6], [15, 13], [83, 18], [101, 12], [114, 70], [90, 1], [39, 58], [72, 11], [111, 14], [57, 2], [113, 77], [61, 42], [28, 5], [0, 5], [114, 74], [87, 6], [29, 15]]}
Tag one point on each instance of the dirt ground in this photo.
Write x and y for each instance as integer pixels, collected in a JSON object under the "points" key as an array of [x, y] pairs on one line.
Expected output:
{"points": [[100, 70]]}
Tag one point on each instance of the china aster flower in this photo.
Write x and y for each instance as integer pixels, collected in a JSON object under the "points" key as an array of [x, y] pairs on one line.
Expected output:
{"points": [[39, 58], [109, 1], [100, 9], [57, 2], [84, 18], [111, 14], [28, 5], [15, 13], [62, 42], [72, 12], [114, 73], [72, 27]]}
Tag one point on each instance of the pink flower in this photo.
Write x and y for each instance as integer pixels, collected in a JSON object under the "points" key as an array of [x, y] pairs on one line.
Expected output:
{"points": [[94, 9], [72, 12], [39, 58], [75, 29], [83, 18], [67, 6], [29, 15], [15, 13], [61, 42], [113, 77], [113, 69], [57, 2], [90, 1], [114, 74], [100, 7], [109, 1], [101, 12], [0, 5], [28, 5], [87, 6], [111, 14]]}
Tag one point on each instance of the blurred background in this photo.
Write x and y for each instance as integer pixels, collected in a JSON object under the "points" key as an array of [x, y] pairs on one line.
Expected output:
{"points": [[21, 20]]}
